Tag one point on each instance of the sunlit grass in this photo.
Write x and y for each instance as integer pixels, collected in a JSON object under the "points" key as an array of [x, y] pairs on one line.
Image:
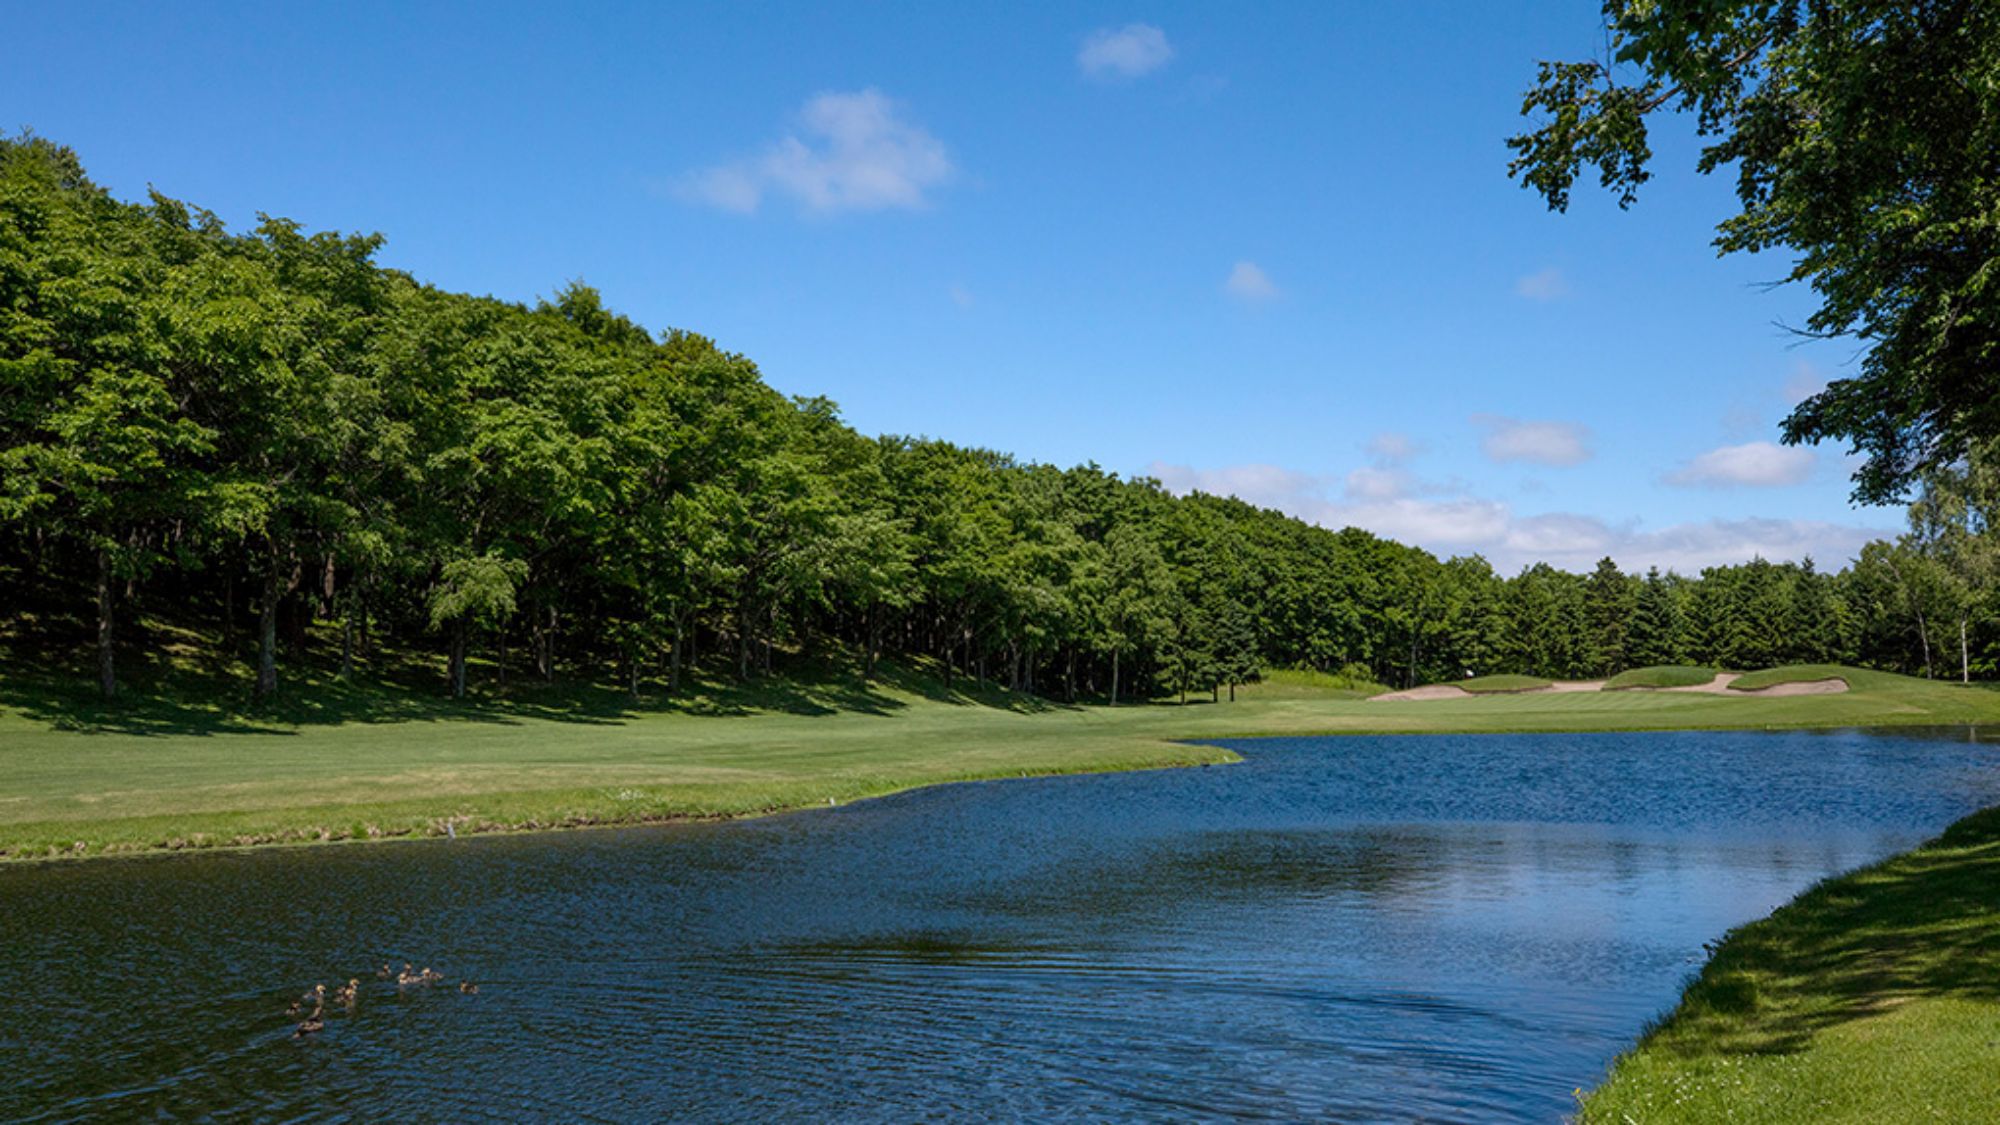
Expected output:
{"points": [[1873, 997], [353, 761]]}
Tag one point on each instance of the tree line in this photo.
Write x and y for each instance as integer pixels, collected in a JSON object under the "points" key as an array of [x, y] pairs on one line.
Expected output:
{"points": [[311, 457]]}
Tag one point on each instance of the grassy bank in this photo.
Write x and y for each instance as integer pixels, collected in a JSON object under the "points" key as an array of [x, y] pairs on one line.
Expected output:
{"points": [[356, 762], [1873, 997]]}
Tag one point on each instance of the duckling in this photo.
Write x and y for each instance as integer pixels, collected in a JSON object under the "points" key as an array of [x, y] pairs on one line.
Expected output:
{"points": [[469, 988], [348, 995], [311, 1025], [316, 996], [408, 976], [385, 972], [431, 974]]}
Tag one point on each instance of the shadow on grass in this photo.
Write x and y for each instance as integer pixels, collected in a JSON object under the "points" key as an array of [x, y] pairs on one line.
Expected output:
{"points": [[175, 684], [1924, 924]]}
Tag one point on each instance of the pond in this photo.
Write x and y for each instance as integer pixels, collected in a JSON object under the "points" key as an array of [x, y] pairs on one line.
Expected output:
{"points": [[1417, 927]]}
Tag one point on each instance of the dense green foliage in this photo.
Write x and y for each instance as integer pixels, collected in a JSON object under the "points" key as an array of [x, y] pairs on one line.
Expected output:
{"points": [[1862, 134], [304, 460]]}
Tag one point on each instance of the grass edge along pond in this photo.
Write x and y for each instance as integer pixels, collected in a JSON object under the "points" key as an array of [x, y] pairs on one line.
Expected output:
{"points": [[76, 786], [1874, 996]]}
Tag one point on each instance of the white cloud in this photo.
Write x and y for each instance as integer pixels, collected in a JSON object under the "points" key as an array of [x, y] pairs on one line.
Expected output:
{"points": [[1392, 448], [1125, 52], [960, 296], [1539, 443], [1459, 525], [1542, 285], [851, 152], [1250, 282], [1370, 483], [1755, 464]]}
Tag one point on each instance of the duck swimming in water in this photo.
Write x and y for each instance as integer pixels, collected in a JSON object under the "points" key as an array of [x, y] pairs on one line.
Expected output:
{"points": [[348, 995], [311, 1025], [385, 972], [469, 988]]}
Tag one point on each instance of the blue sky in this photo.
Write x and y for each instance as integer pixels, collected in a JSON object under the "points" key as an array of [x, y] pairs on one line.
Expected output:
{"points": [[1266, 250]]}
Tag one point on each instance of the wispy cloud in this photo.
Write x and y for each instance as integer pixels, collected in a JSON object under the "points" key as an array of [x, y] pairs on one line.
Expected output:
{"points": [[1461, 525], [960, 296], [1755, 464], [1804, 382], [1392, 448], [1545, 284], [850, 152], [1249, 282], [1124, 52], [1535, 442]]}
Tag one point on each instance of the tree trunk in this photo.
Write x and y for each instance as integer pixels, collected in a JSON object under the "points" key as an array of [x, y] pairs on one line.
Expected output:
{"points": [[500, 661], [674, 657], [347, 643], [229, 610], [456, 669], [549, 649], [1114, 677], [1069, 677], [267, 633], [107, 664], [1232, 691], [1924, 636], [1964, 655], [874, 645]]}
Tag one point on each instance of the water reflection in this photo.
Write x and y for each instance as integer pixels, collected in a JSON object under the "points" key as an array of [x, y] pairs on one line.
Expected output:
{"points": [[1400, 928]]}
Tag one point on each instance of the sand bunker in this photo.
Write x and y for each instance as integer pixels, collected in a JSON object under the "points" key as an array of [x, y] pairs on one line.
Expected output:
{"points": [[1434, 691], [1717, 686]]}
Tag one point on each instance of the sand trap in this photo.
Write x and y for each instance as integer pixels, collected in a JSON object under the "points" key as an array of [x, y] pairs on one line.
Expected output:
{"points": [[1802, 687], [1565, 685], [1717, 686], [1434, 691], [1720, 686]]}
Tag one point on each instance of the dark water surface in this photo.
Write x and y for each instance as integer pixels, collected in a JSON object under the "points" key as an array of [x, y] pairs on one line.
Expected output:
{"points": [[1437, 928]]}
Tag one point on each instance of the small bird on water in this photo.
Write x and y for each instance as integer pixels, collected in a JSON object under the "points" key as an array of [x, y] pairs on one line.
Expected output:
{"points": [[469, 988], [311, 1025]]}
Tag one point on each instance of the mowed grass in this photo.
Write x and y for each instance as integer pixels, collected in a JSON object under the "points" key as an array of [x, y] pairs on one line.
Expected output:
{"points": [[1873, 997], [143, 776], [1481, 685], [1660, 676]]}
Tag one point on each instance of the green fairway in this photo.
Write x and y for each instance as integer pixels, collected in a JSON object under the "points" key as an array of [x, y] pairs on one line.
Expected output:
{"points": [[146, 776], [1872, 997]]}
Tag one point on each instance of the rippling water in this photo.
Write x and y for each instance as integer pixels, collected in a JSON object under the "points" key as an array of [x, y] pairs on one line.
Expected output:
{"points": [[1455, 928]]}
